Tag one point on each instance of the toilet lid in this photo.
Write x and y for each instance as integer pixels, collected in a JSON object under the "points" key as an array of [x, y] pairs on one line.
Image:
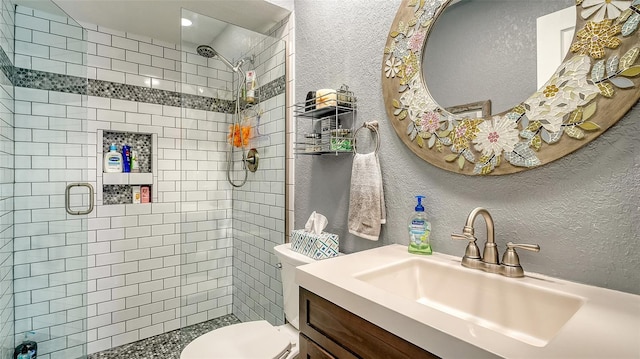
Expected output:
{"points": [[257, 339]]}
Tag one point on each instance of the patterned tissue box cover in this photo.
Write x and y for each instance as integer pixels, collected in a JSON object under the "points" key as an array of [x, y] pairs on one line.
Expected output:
{"points": [[316, 246]]}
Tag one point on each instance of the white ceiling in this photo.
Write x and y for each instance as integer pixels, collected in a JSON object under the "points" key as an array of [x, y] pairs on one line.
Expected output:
{"points": [[160, 19]]}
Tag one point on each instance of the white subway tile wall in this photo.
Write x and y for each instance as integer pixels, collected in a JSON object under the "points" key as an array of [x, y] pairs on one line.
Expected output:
{"points": [[259, 206], [6, 183], [150, 267], [51, 259]]}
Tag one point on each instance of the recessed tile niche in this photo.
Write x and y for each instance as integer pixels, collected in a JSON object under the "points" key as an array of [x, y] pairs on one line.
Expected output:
{"points": [[115, 188], [140, 142]]}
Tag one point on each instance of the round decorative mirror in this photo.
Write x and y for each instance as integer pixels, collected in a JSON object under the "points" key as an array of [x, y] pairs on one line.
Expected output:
{"points": [[593, 87]]}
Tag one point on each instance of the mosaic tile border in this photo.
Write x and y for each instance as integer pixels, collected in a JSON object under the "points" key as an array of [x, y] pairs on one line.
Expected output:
{"points": [[49, 81], [160, 97], [42, 80], [273, 88], [6, 66]]}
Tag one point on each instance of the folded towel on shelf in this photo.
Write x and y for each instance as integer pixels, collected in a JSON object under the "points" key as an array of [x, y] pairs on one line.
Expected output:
{"points": [[366, 200]]}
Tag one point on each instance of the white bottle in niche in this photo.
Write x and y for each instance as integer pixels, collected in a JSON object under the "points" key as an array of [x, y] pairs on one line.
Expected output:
{"points": [[113, 160], [135, 194]]}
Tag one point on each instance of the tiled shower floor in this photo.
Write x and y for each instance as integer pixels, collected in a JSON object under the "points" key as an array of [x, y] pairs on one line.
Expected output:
{"points": [[166, 345]]}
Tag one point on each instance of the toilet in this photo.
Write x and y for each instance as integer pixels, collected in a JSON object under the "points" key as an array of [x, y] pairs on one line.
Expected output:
{"points": [[258, 339]]}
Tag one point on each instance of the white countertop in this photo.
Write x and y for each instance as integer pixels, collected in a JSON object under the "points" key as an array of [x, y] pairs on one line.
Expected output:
{"points": [[606, 326]]}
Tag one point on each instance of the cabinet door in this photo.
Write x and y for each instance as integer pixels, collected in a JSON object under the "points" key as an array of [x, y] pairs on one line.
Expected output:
{"points": [[348, 336], [310, 350]]}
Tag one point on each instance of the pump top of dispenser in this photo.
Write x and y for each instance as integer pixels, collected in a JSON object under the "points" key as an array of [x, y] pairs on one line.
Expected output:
{"points": [[113, 147], [419, 207]]}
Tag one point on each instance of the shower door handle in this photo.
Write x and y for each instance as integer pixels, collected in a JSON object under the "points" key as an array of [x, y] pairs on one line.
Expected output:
{"points": [[67, 198]]}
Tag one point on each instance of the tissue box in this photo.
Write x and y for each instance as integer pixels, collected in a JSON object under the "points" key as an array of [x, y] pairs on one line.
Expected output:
{"points": [[316, 246]]}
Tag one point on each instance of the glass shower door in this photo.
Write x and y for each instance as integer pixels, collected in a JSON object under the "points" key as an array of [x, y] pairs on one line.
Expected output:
{"points": [[230, 219], [55, 172]]}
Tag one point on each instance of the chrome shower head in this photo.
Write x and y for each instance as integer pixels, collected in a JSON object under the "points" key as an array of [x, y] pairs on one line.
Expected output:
{"points": [[208, 52]]}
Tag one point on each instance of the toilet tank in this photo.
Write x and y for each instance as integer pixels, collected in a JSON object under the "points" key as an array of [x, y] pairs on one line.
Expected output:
{"points": [[289, 261]]}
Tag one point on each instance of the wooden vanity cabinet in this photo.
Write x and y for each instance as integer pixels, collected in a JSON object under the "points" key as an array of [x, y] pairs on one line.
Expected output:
{"points": [[329, 331]]}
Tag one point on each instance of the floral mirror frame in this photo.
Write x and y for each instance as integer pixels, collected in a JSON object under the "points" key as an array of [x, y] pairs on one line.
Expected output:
{"points": [[595, 86]]}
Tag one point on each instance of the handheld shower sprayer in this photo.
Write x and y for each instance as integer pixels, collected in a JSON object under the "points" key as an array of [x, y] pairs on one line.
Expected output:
{"points": [[209, 52], [248, 162]]}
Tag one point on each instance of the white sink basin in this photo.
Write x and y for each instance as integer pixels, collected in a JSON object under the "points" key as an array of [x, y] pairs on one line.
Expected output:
{"points": [[456, 312], [531, 314]]}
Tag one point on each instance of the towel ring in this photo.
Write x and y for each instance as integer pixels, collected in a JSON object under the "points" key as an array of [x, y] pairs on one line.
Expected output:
{"points": [[372, 126]]}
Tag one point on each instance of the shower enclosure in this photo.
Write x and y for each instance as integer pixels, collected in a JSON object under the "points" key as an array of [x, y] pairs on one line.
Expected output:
{"points": [[79, 283], [231, 269]]}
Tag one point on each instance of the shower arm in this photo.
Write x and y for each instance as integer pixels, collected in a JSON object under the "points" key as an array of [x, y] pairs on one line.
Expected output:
{"points": [[225, 61]]}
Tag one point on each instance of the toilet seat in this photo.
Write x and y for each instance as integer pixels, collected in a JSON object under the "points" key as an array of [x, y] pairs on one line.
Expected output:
{"points": [[257, 339]]}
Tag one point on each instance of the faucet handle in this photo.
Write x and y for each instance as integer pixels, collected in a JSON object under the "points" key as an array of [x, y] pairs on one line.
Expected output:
{"points": [[472, 251], [467, 233], [529, 247], [462, 236], [510, 257], [511, 263]]}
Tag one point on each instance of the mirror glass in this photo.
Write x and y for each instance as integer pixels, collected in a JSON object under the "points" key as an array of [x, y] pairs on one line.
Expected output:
{"points": [[473, 46]]}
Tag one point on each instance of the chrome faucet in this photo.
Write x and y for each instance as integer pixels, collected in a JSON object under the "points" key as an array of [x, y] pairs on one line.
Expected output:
{"points": [[488, 262]]}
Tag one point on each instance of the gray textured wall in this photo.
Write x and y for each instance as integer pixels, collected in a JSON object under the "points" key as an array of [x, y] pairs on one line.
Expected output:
{"points": [[581, 209]]}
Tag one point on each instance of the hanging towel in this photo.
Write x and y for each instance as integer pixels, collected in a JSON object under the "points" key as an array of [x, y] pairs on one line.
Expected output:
{"points": [[366, 200]]}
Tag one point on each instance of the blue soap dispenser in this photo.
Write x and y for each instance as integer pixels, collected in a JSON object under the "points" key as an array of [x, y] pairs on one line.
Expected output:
{"points": [[419, 230]]}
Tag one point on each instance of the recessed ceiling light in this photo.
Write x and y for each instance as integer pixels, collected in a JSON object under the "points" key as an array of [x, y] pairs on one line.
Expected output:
{"points": [[186, 22]]}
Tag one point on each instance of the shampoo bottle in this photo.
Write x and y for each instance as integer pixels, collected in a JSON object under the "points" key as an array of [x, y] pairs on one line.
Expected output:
{"points": [[113, 160], [419, 230], [250, 84], [126, 158]]}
